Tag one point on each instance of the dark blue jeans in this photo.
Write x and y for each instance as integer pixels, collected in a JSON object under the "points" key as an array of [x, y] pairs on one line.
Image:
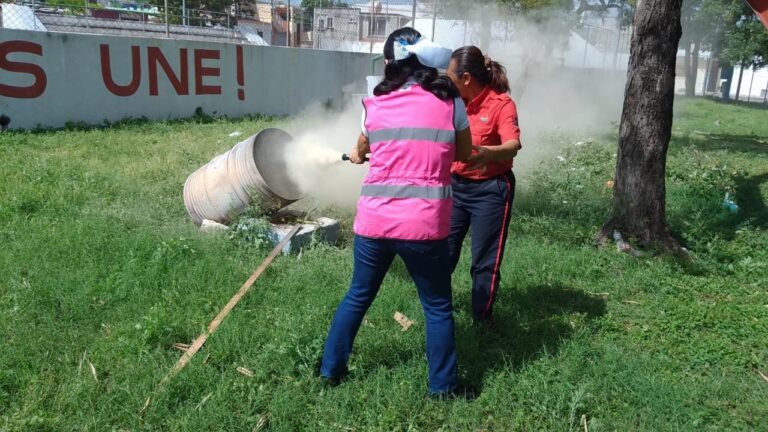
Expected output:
{"points": [[428, 264], [484, 206]]}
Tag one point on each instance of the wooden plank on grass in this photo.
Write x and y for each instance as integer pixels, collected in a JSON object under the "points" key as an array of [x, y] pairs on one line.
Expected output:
{"points": [[198, 343]]}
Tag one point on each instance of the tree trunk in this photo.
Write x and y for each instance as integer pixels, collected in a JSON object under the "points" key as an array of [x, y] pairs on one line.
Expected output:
{"points": [[690, 89], [713, 80], [694, 67], [646, 126], [485, 33], [738, 86]]}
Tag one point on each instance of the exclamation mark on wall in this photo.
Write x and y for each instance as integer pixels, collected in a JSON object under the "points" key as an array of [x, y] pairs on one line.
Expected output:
{"points": [[240, 75]]}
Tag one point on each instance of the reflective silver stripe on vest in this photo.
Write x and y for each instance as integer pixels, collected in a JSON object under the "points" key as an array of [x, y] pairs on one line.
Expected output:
{"points": [[407, 191], [421, 134]]}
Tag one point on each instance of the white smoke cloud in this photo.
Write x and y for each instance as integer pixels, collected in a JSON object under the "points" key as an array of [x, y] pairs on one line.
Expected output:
{"points": [[553, 90]]}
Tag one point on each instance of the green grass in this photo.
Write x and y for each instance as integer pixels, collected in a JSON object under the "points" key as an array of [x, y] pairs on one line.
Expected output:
{"points": [[100, 265]]}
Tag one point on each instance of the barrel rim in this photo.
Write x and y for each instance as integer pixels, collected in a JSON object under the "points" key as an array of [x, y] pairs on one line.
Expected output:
{"points": [[266, 174]]}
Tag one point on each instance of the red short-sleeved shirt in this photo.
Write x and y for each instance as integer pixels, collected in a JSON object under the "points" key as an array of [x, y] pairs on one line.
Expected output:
{"points": [[493, 121]]}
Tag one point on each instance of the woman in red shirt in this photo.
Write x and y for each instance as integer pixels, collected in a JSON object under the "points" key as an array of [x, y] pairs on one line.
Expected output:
{"points": [[484, 186]]}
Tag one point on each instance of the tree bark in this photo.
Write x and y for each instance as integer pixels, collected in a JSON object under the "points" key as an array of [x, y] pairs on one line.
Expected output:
{"points": [[738, 86], [639, 197]]}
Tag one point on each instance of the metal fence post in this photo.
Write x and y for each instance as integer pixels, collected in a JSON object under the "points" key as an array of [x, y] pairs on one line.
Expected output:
{"points": [[370, 28], [289, 15], [34, 17], [87, 24], [586, 45], [434, 18], [167, 23], [386, 19]]}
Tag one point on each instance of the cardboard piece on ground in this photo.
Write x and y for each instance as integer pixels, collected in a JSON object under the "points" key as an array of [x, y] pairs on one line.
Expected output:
{"points": [[403, 320]]}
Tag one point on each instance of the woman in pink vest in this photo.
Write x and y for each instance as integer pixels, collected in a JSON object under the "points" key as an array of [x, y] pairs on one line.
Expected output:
{"points": [[414, 128]]}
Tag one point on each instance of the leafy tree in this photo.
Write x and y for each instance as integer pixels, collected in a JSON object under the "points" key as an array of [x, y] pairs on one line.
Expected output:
{"points": [[624, 8], [198, 11], [76, 7], [746, 44], [705, 23]]}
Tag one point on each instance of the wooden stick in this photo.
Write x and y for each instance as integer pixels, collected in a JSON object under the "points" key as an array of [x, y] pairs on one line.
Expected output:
{"points": [[198, 343], [763, 376]]}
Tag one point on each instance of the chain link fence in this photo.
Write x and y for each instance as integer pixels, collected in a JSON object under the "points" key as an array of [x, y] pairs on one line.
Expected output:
{"points": [[260, 24], [358, 25]]}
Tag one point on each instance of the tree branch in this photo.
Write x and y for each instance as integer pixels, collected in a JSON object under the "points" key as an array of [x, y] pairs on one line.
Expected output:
{"points": [[586, 6]]}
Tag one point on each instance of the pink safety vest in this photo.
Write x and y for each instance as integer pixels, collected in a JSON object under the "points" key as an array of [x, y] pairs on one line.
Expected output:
{"points": [[407, 192]]}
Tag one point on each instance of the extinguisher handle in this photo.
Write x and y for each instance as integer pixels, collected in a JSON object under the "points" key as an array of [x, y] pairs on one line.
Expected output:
{"points": [[345, 157]]}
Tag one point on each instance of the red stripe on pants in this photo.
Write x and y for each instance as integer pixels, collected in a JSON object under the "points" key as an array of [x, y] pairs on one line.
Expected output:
{"points": [[498, 251]]}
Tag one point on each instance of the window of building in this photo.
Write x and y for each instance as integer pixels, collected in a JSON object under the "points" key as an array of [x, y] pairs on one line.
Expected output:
{"points": [[379, 28]]}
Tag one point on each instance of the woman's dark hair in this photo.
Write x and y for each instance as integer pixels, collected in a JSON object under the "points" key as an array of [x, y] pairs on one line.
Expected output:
{"points": [[470, 59], [397, 72]]}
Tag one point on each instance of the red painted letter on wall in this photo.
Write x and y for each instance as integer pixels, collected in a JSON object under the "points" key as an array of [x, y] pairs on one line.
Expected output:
{"points": [[106, 72], [200, 72], [41, 81], [155, 57]]}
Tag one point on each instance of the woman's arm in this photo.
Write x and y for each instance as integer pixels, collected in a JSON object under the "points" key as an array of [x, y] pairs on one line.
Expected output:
{"points": [[358, 153], [463, 145], [508, 131], [503, 152]]}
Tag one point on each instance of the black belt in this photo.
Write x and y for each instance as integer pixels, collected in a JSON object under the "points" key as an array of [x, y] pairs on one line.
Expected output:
{"points": [[461, 179]]}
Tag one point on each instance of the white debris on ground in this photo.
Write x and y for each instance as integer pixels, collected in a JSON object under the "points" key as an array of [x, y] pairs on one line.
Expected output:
{"points": [[212, 226], [321, 229]]}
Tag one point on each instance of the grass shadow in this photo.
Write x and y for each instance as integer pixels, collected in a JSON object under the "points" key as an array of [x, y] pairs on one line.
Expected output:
{"points": [[755, 103], [752, 208], [712, 142], [751, 202], [528, 323], [752, 211]]}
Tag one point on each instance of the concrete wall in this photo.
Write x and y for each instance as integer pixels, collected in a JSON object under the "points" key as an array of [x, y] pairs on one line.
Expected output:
{"points": [[49, 79], [759, 84]]}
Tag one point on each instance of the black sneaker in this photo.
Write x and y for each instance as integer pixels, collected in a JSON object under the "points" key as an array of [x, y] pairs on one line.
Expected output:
{"points": [[482, 323], [461, 391]]}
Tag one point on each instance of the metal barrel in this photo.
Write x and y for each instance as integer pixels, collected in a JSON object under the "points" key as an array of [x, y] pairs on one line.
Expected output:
{"points": [[254, 170]]}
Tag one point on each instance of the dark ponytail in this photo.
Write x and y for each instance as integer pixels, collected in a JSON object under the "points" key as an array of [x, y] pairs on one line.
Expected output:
{"points": [[471, 60], [397, 72]]}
